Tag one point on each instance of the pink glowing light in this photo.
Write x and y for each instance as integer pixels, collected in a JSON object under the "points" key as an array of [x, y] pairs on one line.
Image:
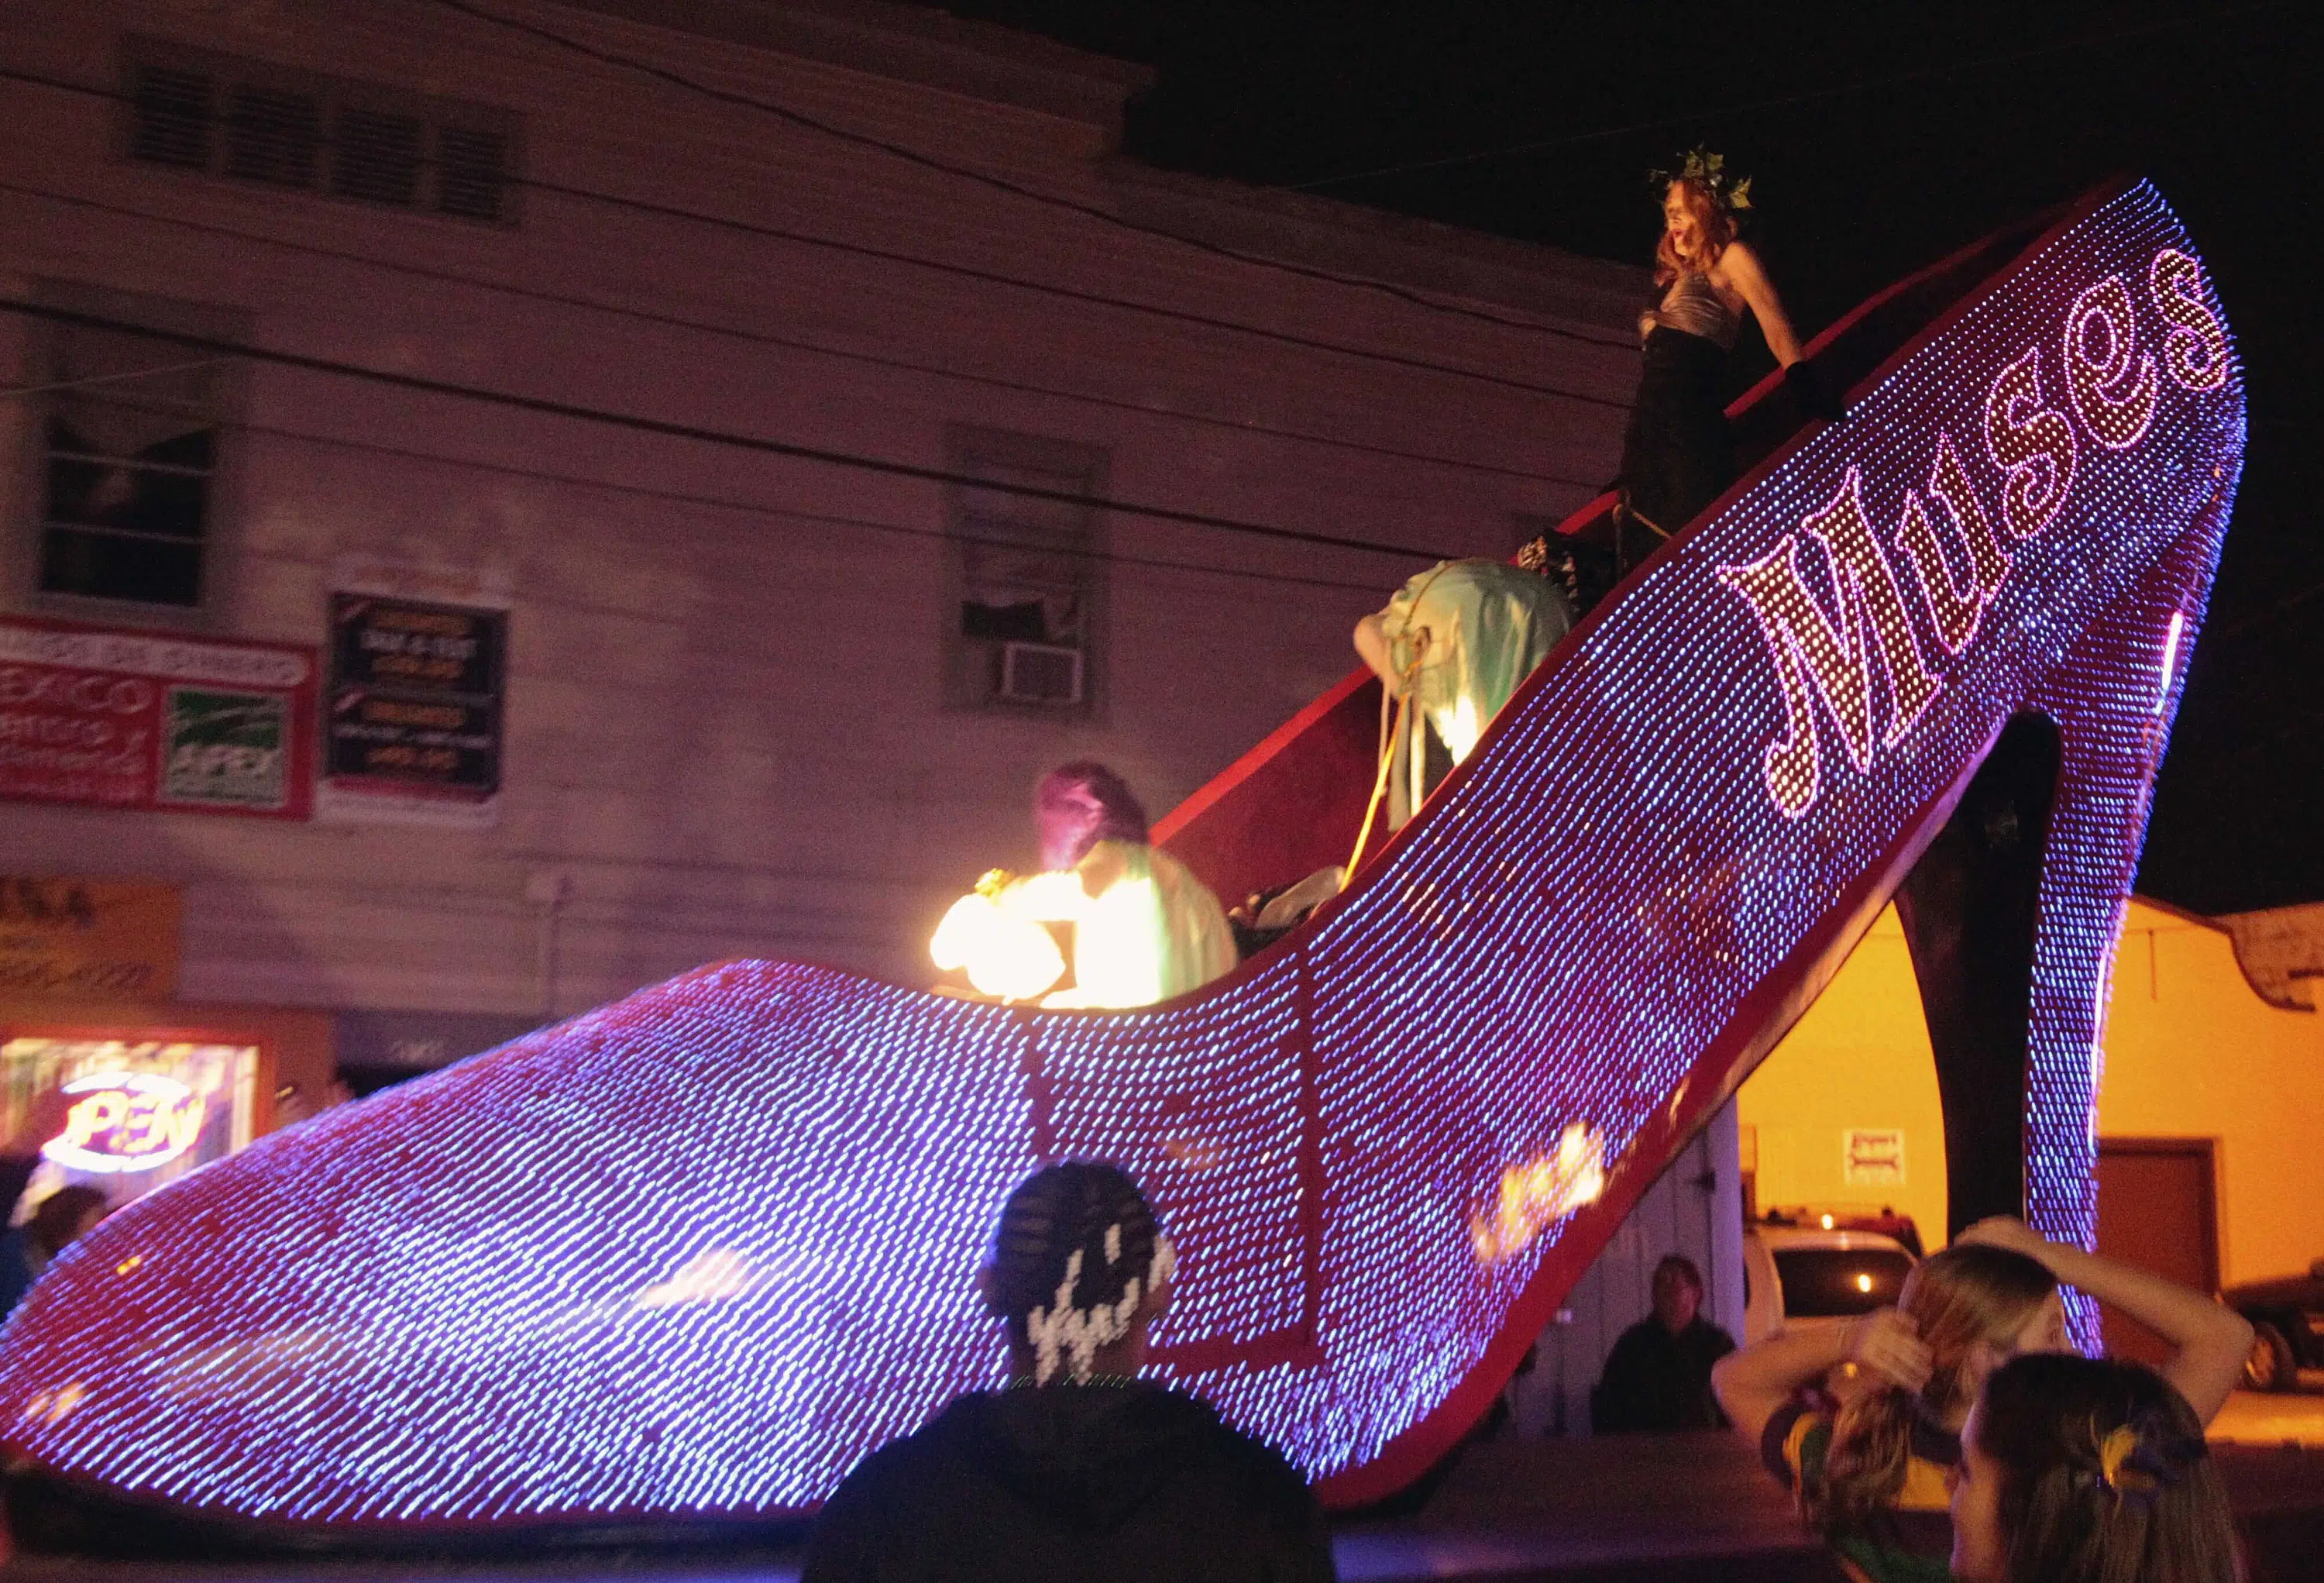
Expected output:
{"points": [[2170, 666]]}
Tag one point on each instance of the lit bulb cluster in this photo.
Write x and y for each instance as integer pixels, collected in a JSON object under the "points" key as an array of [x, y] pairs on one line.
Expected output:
{"points": [[697, 1251]]}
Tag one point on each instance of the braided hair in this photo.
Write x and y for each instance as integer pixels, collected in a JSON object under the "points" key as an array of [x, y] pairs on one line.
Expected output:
{"points": [[2105, 1476], [1077, 1253]]}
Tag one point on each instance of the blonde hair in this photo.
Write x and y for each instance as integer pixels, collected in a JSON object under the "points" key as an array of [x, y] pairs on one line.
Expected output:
{"points": [[1956, 1300], [1718, 232]]}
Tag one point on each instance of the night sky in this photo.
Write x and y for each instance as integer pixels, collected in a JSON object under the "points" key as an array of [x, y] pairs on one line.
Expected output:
{"points": [[1879, 137]]}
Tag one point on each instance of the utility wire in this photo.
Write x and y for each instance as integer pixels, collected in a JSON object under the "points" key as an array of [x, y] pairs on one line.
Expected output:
{"points": [[666, 429], [966, 271], [97, 379], [998, 183], [759, 338], [1778, 102], [727, 503]]}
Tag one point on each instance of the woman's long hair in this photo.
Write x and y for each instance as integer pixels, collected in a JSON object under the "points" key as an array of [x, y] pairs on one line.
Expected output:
{"points": [[1956, 1299], [2105, 1477], [1718, 231]]}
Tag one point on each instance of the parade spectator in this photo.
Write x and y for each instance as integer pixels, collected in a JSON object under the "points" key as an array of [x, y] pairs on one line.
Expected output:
{"points": [[1658, 1376], [2076, 1470], [1870, 1468], [60, 1219], [1078, 1469]]}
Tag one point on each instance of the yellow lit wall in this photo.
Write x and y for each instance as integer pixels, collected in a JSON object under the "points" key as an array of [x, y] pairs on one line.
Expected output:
{"points": [[2191, 1052], [1859, 1059]]}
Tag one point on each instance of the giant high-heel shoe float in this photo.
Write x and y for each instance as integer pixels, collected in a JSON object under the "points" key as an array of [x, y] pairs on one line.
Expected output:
{"points": [[691, 1255]]}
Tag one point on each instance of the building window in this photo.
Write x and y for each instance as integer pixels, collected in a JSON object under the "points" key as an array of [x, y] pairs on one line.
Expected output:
{"points": [[216, 116], [131, 428], [1028, 575]]}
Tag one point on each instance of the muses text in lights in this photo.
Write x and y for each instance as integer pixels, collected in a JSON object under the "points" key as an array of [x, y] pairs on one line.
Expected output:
{"points": [[1825, 635]]}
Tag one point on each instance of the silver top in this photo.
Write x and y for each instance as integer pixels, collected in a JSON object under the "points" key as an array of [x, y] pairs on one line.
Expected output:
{"points": [[1694, 305]]}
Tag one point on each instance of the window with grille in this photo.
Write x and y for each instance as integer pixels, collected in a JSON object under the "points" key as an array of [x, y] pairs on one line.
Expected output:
{"points": [[127, 496], [252, 123], [1028, 575]]}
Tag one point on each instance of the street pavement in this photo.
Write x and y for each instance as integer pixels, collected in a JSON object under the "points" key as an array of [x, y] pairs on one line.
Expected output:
{"points": [[2254, 1418], [1542, 1508]]}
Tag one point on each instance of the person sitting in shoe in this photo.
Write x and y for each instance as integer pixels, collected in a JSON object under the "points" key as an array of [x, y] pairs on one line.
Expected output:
{"points": [[1078, 1469], [1144, 928]]}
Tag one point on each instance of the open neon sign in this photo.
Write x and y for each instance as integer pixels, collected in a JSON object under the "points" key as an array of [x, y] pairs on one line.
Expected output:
{"points": [[126, 1121], [1824, 649]]}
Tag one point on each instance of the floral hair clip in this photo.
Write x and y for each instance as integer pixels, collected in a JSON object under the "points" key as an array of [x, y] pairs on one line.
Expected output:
{"points": [[2118, 1451], [1707, 170]]}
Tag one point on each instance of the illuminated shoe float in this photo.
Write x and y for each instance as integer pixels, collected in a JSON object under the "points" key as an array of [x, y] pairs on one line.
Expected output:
{"points": [[692, 1255]]}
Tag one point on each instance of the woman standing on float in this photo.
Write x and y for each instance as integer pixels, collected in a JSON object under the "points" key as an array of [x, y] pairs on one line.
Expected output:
{"points": [[1677, 457]]}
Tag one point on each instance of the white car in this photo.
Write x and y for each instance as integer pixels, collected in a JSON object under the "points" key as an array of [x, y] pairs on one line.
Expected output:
{"points": [[1795, 1276]]}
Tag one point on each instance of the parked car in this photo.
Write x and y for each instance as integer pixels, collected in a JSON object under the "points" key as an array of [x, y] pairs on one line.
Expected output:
{"points": [[2287, 1322], [1835, 1217], [1795, 1276]]}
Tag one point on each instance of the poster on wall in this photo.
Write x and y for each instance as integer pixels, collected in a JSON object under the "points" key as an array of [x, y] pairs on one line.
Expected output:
{"points": [[69, 937], [412, 728], [155, 721], [1873, 1156]]}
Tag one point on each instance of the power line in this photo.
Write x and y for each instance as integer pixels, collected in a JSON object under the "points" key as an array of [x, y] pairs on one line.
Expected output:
{"points": [[93, 380], [1781, 101], [747, 507], [787, 514], [760, 338], [966, 271], [998, 183], [545, 406]]}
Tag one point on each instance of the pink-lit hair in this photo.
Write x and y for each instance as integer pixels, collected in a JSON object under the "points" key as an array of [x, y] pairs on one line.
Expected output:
{"points": [[1718, 231], [1088, 791]]}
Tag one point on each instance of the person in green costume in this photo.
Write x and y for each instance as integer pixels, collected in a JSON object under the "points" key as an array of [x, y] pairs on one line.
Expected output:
{"points": [[1144, 928], [1459, 639]]}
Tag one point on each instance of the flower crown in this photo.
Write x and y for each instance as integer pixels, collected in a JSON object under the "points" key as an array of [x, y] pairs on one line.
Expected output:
{"points": [[1707, 170]]}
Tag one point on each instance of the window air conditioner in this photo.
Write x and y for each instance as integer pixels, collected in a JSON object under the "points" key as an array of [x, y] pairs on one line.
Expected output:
{"points": [[1040, 673]]}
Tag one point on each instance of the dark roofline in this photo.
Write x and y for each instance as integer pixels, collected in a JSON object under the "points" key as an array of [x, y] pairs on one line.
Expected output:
{"points": [[929, 48], [1452, 261]]}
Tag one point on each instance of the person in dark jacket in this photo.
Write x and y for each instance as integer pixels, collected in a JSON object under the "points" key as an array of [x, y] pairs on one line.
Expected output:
{"points": [[1078, 1469], [1658, 1376], [61, 1219]]}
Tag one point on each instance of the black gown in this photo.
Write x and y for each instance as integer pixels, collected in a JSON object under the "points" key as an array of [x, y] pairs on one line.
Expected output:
{"points": [[1677, 456]]}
